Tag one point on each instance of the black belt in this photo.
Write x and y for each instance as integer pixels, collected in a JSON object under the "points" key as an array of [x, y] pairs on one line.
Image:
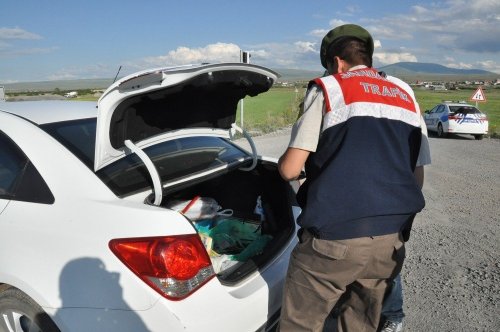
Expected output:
{"points": [[311, 230]]}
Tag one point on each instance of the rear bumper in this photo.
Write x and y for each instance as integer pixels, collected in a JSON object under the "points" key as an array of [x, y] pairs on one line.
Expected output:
{"points": [[250, 306], [467, 128]]}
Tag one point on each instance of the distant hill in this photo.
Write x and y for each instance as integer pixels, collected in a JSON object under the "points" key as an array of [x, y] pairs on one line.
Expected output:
{"points": [[286, 75], [409, 71], [101, 83], [297, 74], [404, 70], [432, 70]]}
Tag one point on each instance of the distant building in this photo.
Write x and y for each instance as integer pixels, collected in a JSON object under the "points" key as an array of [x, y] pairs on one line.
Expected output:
{"points": [[72, 94], [438, 87]]}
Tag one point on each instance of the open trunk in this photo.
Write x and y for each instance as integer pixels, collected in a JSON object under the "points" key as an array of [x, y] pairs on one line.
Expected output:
{"points": [[239, 191], [170, 128]]}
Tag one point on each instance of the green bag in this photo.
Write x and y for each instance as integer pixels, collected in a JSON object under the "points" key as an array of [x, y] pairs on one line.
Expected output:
{"points": [[242, 240]]}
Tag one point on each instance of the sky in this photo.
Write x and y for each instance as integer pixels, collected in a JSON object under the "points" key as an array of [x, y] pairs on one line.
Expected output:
{"points": [[43, 40]]}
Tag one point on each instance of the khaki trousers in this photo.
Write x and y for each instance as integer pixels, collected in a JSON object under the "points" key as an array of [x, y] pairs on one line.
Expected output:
{"points": [[321, 271]]}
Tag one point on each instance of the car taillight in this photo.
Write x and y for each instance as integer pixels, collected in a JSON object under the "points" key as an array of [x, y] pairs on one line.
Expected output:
{"points": [[175, 266], [452, 117]]}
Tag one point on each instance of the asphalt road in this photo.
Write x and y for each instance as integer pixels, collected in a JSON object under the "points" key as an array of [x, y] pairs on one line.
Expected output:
{"points": [[451, 276]]}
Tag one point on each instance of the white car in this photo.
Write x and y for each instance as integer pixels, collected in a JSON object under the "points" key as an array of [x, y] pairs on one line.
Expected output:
{"points": [[87, 239], [456, 118]]}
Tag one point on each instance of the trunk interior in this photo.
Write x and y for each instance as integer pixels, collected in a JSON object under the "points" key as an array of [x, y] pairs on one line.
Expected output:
{"points": [[239, 190]]}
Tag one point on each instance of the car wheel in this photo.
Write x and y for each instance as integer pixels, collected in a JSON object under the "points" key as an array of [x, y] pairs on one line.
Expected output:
{"points": [[19, 313], [478, 137], [440, 131]]}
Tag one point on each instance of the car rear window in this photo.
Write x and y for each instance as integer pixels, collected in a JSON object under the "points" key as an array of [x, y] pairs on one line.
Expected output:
{"points": [[174, 159], [464, 110]]}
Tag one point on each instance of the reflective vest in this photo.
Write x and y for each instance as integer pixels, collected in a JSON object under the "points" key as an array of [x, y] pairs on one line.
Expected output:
{"points": [[360, 180]]}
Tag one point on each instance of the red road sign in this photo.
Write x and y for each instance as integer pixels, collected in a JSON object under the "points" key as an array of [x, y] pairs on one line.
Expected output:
{"points": [[478, 95]]}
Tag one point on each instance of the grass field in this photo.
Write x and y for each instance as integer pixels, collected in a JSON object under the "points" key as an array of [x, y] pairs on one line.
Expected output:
{"points": [[275, 109], [279, 107]]}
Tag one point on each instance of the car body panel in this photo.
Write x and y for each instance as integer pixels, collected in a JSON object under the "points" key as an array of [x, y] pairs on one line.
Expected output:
{"points": [[48, 249], [3, 204], [41, 112], [92, 254], [468, 124], [92, 196]]}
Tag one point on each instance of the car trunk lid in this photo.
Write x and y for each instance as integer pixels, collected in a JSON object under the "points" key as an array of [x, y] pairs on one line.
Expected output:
{"points": [[147, 107]]}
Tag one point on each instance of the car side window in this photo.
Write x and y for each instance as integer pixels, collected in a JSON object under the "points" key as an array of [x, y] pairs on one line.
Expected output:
{"points": [[434, 110], [12, 164], [19, 179]]}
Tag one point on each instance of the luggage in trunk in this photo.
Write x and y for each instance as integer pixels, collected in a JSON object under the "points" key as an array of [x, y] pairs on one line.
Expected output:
{"points": [[240, 191]]}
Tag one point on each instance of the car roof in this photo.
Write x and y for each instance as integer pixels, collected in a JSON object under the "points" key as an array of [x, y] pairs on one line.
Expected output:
{"points": [[49, 111], [452, 103]]}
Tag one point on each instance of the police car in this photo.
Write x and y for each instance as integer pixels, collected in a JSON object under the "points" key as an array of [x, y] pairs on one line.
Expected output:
{"points": [[451, 117]]}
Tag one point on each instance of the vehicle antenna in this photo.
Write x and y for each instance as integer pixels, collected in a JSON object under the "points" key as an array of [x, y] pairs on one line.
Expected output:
{"points": [[117, 74]]}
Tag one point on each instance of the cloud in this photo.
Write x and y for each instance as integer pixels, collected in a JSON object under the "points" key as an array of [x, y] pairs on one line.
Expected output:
{"points": [[218, 52], [4, 45], [336, 22], [391, 30], [488, 65], [466, 30], [419, 10], [304, 47], [471, 26], [318, 33], [59, 76], [292, 55], [10, 38], [353, 9], [90, 71], [17, 33], [12, 51], [300, 54], [385, 58]]}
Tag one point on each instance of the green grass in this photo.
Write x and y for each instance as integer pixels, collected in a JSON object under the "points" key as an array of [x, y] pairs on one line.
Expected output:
{"points": [[272, 110], [279, 107], [87, 97]]}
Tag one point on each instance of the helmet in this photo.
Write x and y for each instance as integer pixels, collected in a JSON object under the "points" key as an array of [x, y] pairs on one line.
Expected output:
{"points": [[346, 30]]}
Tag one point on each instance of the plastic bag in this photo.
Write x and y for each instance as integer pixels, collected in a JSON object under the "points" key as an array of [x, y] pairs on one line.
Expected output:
{"points": [[238, 238], [222, 262], [253, 249], [231, 236], [231, 240], [198, 208]]}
